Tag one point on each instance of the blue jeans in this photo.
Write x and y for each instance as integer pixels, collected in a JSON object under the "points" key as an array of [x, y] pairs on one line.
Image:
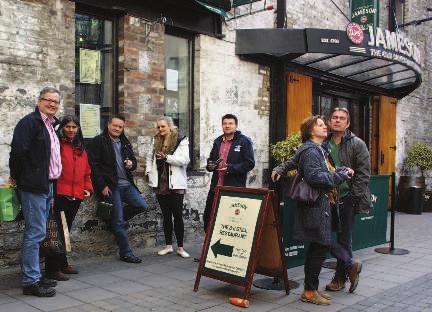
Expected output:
{"points": [[35, 208], [130, 195], [341, 249]]}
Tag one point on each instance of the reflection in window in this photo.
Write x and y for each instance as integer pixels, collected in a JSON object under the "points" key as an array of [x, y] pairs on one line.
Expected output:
{"points": [[178, 82], [93, 72]]}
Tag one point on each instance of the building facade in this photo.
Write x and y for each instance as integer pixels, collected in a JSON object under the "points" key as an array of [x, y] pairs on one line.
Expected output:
{"points": [[179, 59]]}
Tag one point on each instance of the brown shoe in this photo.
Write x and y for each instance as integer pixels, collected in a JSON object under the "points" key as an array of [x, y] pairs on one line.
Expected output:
{"points": [[324, 295], [315, 299], [354, 275], [336, 284], [69, 270], [58, 276]]}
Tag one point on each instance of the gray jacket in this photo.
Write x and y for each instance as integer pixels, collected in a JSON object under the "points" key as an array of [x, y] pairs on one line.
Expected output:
{"points": [[313, 223], [355, 155]]}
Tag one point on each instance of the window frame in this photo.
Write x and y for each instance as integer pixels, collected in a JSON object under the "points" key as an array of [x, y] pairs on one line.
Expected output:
{"points": [[113, 17], [190, 36]]}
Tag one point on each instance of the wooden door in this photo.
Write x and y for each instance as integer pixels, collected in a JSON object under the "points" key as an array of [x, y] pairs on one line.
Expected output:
{"points": [[387, 135], [299, 100]]}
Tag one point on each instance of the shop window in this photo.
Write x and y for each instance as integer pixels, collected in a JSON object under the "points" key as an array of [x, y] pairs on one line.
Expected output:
{"points": [[94, 72], [178, 83]]}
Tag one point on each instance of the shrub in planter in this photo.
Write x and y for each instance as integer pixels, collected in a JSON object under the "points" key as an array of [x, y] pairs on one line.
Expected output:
{"points": [[420, 155]]}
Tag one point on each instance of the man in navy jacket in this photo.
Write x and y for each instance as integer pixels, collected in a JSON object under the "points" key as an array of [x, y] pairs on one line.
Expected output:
{"points": [[231, 158], [34, 165]]}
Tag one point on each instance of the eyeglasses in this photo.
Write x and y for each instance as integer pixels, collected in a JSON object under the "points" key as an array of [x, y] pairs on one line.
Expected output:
{"points": [[51, 101]]}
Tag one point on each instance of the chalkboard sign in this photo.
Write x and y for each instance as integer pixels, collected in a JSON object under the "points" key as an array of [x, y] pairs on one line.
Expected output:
{"points": [[243, 222]]}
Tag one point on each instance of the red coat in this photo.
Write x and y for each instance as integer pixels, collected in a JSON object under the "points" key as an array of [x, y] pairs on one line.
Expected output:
{"points": [[75, 176]]}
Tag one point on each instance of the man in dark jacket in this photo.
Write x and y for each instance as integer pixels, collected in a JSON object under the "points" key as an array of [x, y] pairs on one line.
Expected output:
{"points": [[231, 158], [348, 150], [112, 161], [34, 165]]}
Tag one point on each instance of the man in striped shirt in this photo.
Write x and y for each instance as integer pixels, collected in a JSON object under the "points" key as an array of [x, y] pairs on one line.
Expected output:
{"points": [[34, 165]]}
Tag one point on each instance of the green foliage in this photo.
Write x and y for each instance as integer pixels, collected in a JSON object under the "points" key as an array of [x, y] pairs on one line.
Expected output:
{"points": [[285, 149], [420, 155]]}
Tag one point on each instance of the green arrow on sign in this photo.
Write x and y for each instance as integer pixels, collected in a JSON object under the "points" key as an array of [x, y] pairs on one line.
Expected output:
{"points": [[221, 249]]}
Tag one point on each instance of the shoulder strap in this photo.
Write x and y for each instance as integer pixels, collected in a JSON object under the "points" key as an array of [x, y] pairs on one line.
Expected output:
{"points": [[179, 139]]}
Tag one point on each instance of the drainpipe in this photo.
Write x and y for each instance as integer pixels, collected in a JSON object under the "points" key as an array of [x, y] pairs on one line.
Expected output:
{"points": [[280, 13], [391, 15]]}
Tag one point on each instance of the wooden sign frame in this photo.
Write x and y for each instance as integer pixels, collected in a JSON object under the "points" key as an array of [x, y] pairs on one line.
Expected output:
{"points": [[267, 234]]}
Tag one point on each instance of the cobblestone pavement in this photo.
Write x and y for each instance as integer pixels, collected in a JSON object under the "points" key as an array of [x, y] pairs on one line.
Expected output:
{"points": [[414, 296], [387, 283]]}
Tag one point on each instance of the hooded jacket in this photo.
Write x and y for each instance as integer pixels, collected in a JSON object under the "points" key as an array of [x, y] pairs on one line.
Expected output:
{"points": [[240, 160], [103, 161]]}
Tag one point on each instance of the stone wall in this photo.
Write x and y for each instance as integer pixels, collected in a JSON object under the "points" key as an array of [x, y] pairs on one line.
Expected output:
{"points": [[32, 56], [414, 112]]}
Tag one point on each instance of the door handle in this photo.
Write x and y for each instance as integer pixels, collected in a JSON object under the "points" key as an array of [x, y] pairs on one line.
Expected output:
{"points": [[393, 147], [382, 158]]}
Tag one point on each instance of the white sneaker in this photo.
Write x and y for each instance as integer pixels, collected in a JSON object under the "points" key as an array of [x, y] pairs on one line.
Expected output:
{"points": [[183, 253], [165, 251]]}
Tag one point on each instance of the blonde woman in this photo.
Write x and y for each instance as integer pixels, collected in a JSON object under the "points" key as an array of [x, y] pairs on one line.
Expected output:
{"points": [[166, 170]]}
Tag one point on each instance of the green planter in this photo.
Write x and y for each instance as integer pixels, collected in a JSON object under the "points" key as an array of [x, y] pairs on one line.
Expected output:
{"points": [[369, 229]]}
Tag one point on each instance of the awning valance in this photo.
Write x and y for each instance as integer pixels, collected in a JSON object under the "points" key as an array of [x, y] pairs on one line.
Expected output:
{"points": [[383, 63]]}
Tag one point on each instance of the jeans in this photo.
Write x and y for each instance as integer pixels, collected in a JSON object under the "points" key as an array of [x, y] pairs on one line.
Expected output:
{"points": [[131, 196], [56, 262], [314, 259], [341, 249], [172, 206], [35, 208]]}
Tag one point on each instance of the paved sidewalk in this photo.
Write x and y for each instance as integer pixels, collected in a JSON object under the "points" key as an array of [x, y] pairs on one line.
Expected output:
{"points": [[387, 283]]}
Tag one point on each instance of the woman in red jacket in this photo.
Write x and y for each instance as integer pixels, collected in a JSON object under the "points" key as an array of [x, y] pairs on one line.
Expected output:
{"points": [[73, 186]]}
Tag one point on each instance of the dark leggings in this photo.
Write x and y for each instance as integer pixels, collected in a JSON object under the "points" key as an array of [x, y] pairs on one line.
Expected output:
{"points": [[57, 262], [314, 259], [172, 205]]}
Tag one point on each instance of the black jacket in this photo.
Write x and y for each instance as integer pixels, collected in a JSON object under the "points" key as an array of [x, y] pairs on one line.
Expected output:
{"points": [[30, 154], [103, 161], [240, 160]]}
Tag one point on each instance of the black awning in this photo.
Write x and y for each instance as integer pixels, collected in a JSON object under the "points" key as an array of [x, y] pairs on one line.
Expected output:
{"points": [[384, 63]]}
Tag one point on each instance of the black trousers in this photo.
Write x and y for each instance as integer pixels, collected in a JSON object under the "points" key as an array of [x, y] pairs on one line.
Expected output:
{"points": [[208, 209], [172, 206], [314, 259], [54, 263]]}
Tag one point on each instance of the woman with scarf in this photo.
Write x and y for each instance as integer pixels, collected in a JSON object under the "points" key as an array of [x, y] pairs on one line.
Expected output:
{"points": [[166, 169], [315, 222], [72, 187]]}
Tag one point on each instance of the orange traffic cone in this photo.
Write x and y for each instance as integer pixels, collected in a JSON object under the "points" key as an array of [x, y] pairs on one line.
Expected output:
{"points": [[239, 302]]}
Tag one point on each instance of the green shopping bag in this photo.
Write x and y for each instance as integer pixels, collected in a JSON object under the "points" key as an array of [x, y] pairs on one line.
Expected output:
{"points": [[9, 204]]}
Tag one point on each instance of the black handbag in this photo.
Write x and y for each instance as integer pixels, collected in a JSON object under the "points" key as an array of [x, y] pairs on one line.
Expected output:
{"points": [[54, 241], [105, 209], [300, 191]]}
